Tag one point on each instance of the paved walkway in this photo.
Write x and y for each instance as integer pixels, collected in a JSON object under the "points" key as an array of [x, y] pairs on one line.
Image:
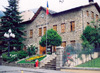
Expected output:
{"points": [[11, 69]]}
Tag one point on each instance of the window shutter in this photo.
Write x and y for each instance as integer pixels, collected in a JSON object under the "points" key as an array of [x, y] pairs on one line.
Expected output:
{"points": [[40, 31], [87, 12], [63, 27], [63, 44], [72, 42], [73, 26], [88, 23], [25, 34], [70, 26], [92, 14], [55, 27], [97, 17], [31, 33], [44, 30]]}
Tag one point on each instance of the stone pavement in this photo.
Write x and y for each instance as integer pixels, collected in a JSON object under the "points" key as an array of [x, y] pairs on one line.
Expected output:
{"points": [[11, 69]]}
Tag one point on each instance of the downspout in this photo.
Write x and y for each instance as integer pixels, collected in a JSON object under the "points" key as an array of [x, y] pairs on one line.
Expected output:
{"points": [[82, 22]]}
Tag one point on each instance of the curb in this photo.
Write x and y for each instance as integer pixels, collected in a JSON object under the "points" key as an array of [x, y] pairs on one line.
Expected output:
{"points": [[81, 68]]}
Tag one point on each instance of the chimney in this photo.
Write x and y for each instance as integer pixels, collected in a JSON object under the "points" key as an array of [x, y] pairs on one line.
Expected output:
{"points": [[91, 1]]}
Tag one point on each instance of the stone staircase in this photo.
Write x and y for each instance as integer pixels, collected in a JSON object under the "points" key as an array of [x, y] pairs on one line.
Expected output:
{"points": [[49, 62]]}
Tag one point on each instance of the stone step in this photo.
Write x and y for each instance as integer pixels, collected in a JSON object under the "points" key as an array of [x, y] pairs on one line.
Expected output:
{"points": [[48, 59], [51, 64]]}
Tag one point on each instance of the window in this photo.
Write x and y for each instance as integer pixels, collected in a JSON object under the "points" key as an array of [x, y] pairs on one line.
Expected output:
{"points": [[92, 14], [44, 30], [63, 27], [97, 17], [55, 27], [40, 31], [72, 26], [87, 12], [72, 42], [31, 33], [95, 26], [88, 23], [63, 44], [25, 34]]}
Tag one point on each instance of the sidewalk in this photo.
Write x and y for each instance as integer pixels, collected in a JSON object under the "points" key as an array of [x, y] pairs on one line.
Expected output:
{"points": [[81, 70], [11, 69]]}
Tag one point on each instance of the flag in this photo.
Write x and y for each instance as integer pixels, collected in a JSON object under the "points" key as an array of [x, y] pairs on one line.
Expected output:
{"points": [[47, 10]]}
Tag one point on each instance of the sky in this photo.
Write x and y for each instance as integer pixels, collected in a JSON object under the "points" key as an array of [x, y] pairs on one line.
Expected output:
{"points": [[54, 5]]}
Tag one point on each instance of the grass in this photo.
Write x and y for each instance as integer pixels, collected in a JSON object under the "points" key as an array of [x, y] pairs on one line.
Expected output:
{"points": [[24, 61], [95, 63]]}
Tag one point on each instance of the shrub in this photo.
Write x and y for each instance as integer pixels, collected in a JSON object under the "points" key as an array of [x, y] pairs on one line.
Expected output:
{"points": [[31, 50], [14, 56], [11, 58], [22, 54]]}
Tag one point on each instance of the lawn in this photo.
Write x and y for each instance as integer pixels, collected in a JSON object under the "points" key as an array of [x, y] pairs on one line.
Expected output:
{"points": [[95, 63], [32, 61]]}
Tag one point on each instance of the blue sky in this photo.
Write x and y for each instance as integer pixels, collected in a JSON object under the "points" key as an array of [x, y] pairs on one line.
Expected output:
{"points": [[53, 4]]}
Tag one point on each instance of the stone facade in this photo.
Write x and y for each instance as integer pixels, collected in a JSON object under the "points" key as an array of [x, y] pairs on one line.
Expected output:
{"points": [[59, 58], [78, 15]]}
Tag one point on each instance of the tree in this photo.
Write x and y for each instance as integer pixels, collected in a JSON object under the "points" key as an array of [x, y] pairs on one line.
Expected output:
{"points": [[90, 35], [12, 20], [53, 39]]}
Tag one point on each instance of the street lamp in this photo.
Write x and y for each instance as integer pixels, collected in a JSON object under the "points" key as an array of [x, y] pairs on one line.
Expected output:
{"points": [[61, 1], [8, 36]]}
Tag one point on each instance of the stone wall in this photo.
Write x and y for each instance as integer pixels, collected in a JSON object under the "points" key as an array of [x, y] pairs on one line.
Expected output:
{"points": [[79, 16], [18, 65], [78, 61], [59, 58]]}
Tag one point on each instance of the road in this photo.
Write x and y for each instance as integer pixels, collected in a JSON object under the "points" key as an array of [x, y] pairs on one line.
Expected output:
{"points": [[11, 69]]}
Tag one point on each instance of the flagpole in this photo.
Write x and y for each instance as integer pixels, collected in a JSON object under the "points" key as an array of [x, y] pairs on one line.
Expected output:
{"points": [[46, 33], [47, 12]]}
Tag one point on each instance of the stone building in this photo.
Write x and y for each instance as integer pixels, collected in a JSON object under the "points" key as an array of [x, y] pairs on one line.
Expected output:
{"points": [[69, 24]]}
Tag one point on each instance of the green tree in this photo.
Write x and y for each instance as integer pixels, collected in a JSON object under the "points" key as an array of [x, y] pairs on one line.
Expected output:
{"points": [[97, 28], [12, 20], [53, 39], [91, 35]]}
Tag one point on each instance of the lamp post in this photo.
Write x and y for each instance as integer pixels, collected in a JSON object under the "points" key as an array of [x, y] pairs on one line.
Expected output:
{"points": [[61, 1], [8, 36]]}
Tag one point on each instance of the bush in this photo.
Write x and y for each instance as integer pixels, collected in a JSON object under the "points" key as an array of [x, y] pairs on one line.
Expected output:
{"points": [[11, 58], [14, 56], [22, 54], [31, 50]]}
